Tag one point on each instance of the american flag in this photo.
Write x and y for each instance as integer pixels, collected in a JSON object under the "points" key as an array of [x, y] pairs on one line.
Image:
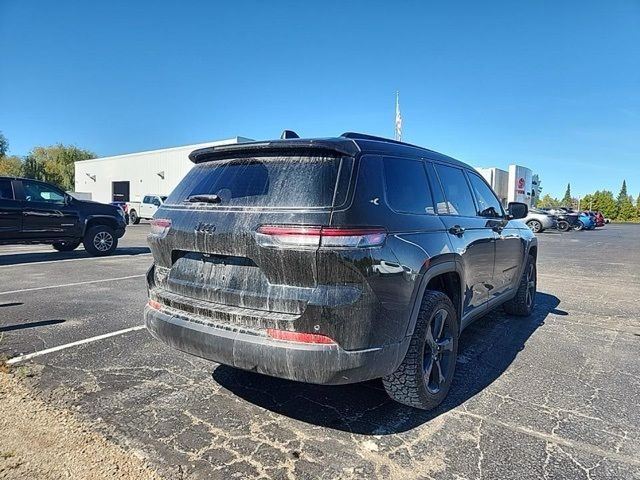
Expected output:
{"points": [[398, 133]]}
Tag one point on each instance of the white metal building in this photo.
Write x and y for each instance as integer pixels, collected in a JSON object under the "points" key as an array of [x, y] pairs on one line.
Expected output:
{"points": [[517, 185], [129, 177]]}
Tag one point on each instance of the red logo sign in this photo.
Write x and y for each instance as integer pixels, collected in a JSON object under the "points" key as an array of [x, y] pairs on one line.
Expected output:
{"points": [[521, 183]]}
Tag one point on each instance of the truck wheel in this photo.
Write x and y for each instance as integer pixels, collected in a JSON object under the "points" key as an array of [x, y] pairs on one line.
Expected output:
{"points": [[133, 217], [66, 246], [524, 301], [100, 241], [535, 226], [423, 378]]}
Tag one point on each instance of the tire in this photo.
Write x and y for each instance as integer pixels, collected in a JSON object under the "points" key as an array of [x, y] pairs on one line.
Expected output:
{"points": [[100, 241], [525, 300], [563, 226], [133, 217], [535, 226], [424, 377], [579, 226], [66, 246]]}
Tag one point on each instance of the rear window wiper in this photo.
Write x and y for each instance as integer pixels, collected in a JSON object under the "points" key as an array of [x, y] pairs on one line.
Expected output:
{"points": [[204, 198]]}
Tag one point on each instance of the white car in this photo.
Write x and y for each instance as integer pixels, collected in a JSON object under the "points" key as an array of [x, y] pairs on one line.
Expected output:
{"points": [[539, 220], [145, 209]]}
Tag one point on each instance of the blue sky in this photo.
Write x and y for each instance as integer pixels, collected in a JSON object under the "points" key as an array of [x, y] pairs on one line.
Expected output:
{"points": [[547, 84]]}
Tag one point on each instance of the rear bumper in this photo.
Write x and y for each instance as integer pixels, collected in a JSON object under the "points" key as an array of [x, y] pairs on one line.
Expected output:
{"points": [[254, 351]]}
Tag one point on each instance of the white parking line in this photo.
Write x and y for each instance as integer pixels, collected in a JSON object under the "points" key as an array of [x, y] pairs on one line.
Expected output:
{"points": [[22, 358], [74, 260], [102, 280]]}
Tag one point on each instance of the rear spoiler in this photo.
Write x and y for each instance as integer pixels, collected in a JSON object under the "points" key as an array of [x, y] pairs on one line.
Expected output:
{"points": [[275, 147]]}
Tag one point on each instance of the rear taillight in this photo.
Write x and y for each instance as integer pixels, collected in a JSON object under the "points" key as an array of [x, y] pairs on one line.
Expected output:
{"points": [[299, 337], [315, 237], [160, 227]]}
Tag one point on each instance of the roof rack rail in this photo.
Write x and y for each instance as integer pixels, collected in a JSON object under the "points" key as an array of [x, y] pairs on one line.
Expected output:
{"points": [[364, 136]]}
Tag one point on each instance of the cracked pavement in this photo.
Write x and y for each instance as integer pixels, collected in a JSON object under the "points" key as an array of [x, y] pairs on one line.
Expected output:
{"points": [[555, 395]]}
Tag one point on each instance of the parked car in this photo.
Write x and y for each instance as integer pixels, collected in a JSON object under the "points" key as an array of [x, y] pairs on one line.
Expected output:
{"points": [[600, 220], [145, 209], [264, 259], [38, 212], [566, 218], [124, 207], [585, 222], [539, 220]]}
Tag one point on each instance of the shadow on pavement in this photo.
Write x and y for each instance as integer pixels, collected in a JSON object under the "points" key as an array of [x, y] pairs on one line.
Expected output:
{"points": [[22, 326], [11, 304], [26, 258], [486, 350]]}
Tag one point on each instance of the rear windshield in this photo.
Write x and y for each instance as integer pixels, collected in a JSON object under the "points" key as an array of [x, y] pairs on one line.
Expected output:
{"points": [[280, 181]]}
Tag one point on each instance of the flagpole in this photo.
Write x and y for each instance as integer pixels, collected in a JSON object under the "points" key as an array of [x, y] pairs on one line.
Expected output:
{"points": [[398, 123]]}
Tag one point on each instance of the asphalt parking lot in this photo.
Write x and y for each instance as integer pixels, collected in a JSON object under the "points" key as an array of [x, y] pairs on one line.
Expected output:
{"points": [[556, 395]]}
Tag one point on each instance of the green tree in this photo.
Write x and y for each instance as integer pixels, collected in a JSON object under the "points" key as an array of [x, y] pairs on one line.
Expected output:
{"points": [[623, 196], [567, 200], [55, 164], [547, 201], [638, 204], [626, 210], [604, 202], [4, 145], [11, 166]]}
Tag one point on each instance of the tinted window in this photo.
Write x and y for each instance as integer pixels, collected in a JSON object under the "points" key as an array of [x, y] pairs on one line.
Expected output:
{"points": [[281, 181], [41, 192], [6, 191], [436, 191], [456, 191], [407, 188], [146, 200], [488, 204]]}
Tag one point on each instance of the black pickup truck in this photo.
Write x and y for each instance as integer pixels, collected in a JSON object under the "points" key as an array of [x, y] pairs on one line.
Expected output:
{"points": [[37, 212]]}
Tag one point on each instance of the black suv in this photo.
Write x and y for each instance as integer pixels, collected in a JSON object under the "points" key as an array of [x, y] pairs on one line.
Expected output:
{"points": [[37, 212], [335, 261]]}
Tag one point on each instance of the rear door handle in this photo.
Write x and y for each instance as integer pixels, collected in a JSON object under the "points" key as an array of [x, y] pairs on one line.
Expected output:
{"points": [[456, 230]]}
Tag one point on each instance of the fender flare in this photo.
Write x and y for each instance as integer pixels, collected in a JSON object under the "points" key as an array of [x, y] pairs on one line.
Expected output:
{"points": [[448, 266], [93, 217]]}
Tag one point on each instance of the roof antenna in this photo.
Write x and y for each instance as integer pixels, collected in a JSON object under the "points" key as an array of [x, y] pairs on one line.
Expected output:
{"points": [[288, 134]]}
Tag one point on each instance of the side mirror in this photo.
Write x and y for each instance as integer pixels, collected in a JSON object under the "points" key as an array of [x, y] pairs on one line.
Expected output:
{"points": [[68, 199], [518, 210]]}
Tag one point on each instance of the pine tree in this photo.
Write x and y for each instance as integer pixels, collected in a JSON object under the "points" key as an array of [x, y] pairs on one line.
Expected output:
{"points": [[622, 196], [567, 199], [626, 209]]}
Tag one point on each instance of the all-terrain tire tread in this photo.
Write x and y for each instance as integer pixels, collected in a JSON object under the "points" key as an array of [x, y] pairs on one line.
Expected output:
{"points": [[406, 383]]}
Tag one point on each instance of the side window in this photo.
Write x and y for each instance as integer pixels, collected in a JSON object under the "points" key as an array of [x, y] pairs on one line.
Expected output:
{"points": [[407, 187], [456, 191], [146, 200], [488, 204], [6, 190], [436, 190], [41, 192]]}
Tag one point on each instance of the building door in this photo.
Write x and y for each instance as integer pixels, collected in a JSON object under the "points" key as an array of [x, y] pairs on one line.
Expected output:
{"points": [[120, 191]]}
